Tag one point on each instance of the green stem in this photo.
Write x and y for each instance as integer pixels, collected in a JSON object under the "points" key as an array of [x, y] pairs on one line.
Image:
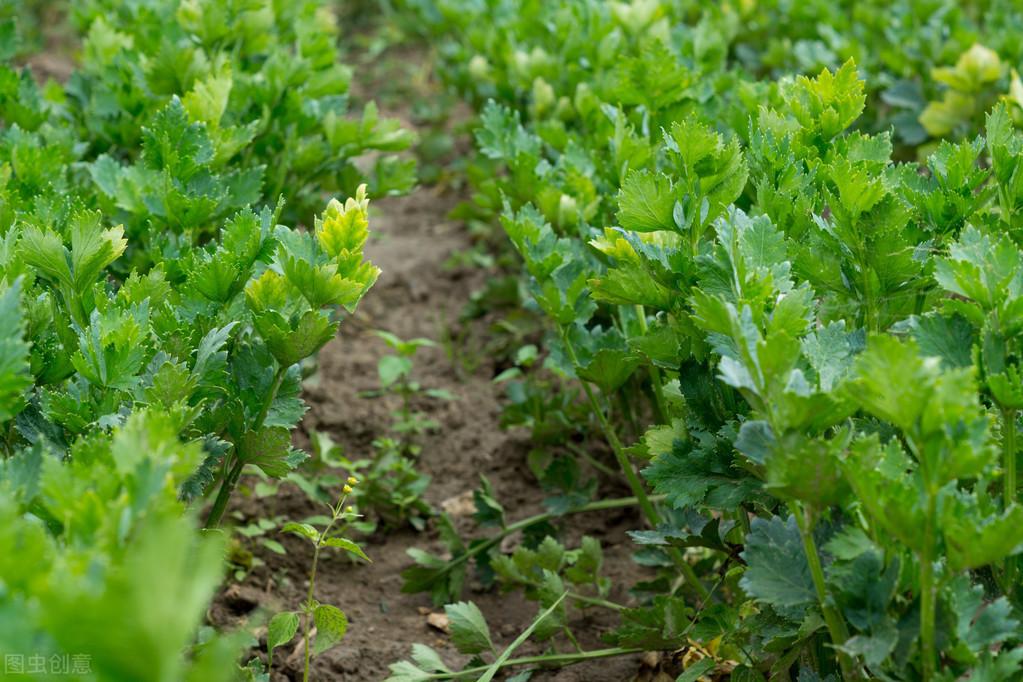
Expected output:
{"points": [[599, 466], [832, 618], [231, 479], [743, 517], [335, 515], [928, 649], [1010, 478], [660, 402], [630, 417], [270, 396], [632, 477], [549, 659], [1009, 456], [596, 601], [309, 613], [918, 304], [220, 504], [616, 445], [571, 638]]}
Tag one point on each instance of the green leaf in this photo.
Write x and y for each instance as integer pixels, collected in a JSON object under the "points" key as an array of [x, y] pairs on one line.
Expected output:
{"points": [[331, 626], [831, 351], [976, 539], [269, 448], [646, 202], [883, 478], [630, 284], [44, 250], [714, 172], [348, 546], [209, 354], [828, 104], [391, 368], [980, 624], [173, 143], [659, 625], [322, 284], [207, 100], [196, 485], [892, 381], [93, 248], [304, 530], [609, 368], [217, 276], [777, 572], [425, 664], [280, 630], [501, 135], [982, 269], [948, 338], [15, 378], [469, 631], [700, 470], [428, 659], [292, 341], [756, 440], [895, 384], [875, 647], [405, 671], [489, 512]]}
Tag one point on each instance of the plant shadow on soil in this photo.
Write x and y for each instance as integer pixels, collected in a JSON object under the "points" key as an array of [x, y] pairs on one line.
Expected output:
{"points": [[418, 294]]}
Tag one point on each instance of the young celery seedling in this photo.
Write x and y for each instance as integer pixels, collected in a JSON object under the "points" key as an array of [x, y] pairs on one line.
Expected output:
{"points": [[330, 622]]}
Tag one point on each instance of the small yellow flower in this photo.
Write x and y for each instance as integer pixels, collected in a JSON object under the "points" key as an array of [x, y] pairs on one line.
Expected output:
{"points": [[347, 489], [352, 480]]}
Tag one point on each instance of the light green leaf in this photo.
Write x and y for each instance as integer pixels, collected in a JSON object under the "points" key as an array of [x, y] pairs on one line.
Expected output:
{"points": [[302, 529], [331, 626], [646, 202], [281, 629], [348, 546]]}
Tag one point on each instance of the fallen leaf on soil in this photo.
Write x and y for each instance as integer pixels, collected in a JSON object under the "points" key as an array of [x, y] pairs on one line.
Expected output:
{"points": [[459, 505], [650, 659], [439, 621], [510, 543]]}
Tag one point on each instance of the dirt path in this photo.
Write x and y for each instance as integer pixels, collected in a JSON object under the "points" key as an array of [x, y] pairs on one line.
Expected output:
{"points": [[419, 294]]}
